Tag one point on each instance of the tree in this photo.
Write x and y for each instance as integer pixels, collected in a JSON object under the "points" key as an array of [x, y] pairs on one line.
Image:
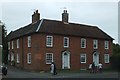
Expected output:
{"points": [[115, 58], [4, 43]]}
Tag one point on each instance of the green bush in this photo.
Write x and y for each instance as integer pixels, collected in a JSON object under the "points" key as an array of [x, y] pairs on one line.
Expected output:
{"points": [[115, 61]]}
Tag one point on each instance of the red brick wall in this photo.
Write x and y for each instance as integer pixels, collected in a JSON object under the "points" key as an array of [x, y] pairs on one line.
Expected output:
{"points": [[38, 51]]}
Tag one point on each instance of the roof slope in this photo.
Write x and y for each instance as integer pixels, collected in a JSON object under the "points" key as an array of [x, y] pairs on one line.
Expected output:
{"points": [[31, 28], [58, 27]]}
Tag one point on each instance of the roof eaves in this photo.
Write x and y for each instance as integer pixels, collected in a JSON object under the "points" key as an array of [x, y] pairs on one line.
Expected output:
{"points": [[39, 25]]}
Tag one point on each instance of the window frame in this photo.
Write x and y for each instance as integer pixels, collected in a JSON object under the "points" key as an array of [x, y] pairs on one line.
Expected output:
{"points": [[18, 45], [8, 45], [95, 42], [108, 58], [12, 44], [29, 58], [83, 39], [29, 41], [12, 57], [106, 44], [66, 42], [9, 57], [83, 55], [47, 62], [18, 58], [49, 41]]}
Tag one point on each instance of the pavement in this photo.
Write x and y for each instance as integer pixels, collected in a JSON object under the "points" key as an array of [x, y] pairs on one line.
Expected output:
{"points": [[19, 73]]}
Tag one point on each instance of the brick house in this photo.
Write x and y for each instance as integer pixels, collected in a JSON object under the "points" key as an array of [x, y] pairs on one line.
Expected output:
{"points": [[70, 45]]}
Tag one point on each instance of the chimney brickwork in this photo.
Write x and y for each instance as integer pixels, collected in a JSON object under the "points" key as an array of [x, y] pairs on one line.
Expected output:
{"points": [[35, 16], [65, 16]]}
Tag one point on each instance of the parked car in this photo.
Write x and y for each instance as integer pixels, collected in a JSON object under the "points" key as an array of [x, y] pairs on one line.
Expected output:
{"points": [[3, 70]]}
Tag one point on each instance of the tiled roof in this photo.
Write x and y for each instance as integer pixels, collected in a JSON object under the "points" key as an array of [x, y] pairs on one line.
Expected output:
{"points": [[31, 28], [61, 28]]}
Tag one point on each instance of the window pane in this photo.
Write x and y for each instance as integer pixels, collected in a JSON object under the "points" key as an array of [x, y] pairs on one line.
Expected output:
{"points": [[17, 43], [95, 44], [29, 41], [106, 58], [8, 45], [49, 58], [106, 44], [18, 58], [49, 41], [12, 45], [83, 58], [66, 42], [83, 43], [29, 58]]}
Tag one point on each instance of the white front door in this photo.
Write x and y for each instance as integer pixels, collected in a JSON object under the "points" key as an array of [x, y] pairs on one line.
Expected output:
{"points": [[12, 56], [96, 58], [66, 60]]}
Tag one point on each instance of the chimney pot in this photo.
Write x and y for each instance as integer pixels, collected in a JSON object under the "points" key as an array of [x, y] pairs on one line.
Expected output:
{"points": [[35, 16], [65, 16]]}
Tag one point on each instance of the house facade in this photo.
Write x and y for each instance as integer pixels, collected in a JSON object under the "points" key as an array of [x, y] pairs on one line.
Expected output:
{"points": [[70, 45]]}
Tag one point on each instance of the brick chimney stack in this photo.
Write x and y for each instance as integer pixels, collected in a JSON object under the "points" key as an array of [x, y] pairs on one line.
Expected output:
{"points": [[65, 16], [35, 16]]}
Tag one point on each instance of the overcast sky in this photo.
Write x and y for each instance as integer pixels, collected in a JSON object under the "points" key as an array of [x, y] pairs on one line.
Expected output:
{"points": [[102, 13]]}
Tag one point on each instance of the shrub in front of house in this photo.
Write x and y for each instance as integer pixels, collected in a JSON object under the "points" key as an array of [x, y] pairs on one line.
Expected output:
{"points": [[115, 61]]}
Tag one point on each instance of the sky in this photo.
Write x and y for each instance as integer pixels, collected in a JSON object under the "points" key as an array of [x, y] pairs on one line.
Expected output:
{"points": [[101, 13]]}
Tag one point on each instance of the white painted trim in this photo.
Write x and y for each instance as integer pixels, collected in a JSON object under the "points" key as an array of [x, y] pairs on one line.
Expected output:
{"points": [[95, 42], [39, 25], [96, 58], [81, 57], [50, 42], [8, 45], [29, 57], [68, 53], [106, 56], [67, 42], [106, 44], [83, 39], [29, 41], [12, 57], [12, 45], [46, 58], [18, 44], [18, 58]]}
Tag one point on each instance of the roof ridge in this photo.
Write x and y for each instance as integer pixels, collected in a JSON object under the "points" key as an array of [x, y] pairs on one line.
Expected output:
{"points": [[86, 25], [58, 27]]}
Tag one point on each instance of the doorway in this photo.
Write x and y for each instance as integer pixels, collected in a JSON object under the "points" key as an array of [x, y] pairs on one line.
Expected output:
{"points": [[66, 60], [96, 58]]}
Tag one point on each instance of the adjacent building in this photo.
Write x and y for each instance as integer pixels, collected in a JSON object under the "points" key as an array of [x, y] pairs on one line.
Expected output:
{"points": [[70, 45]]}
